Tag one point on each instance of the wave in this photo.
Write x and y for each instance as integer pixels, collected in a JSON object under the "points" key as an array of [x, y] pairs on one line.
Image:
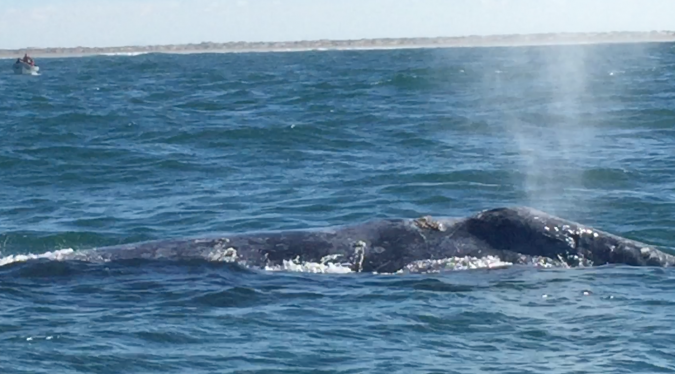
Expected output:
{"points": [[122, 53], [37, 263]]}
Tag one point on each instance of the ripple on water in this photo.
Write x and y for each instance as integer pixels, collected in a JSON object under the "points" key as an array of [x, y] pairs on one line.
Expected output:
{"points": [[116, 149]]}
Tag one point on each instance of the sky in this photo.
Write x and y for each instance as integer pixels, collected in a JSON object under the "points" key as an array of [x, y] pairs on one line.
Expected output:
{"points": [[105, 23]]}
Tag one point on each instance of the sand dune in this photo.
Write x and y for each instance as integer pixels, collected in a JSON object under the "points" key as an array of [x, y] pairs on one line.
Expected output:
{"points": [[388, 43]]}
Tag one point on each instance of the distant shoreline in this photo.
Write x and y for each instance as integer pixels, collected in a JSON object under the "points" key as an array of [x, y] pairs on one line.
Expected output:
{"points": [[518, 40]]}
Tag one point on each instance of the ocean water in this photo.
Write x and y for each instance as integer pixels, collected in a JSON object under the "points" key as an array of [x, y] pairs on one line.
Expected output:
{"points": [[105, 150]]}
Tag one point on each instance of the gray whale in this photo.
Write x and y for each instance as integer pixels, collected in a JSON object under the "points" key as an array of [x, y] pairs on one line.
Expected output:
{"points": [[518, 235]]}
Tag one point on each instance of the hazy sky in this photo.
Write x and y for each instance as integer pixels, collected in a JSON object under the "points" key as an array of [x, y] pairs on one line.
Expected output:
{"points": [[68, 23]]}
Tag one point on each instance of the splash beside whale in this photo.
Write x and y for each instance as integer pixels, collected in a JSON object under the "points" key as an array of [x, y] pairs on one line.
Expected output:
{"points": [[517, 235]]}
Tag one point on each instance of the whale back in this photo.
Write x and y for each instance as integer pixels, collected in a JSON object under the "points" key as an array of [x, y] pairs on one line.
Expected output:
{"points": [[532, 232]]}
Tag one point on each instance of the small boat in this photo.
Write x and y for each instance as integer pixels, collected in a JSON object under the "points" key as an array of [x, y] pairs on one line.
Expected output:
{"points": [[21, 67]]}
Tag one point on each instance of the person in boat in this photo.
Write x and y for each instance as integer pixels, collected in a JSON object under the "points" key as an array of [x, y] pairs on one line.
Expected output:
{"points": [[28, 60]]}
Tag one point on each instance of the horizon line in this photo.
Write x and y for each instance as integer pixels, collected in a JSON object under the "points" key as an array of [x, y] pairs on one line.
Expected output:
{"points": [[474, 40], [672, 32]]}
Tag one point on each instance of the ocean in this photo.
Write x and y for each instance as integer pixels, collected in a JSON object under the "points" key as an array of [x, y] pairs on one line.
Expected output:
{"points": [[107, 150]]}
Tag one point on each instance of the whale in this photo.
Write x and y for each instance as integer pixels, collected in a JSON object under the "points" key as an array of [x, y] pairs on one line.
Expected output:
{"points": [[513, 235]]}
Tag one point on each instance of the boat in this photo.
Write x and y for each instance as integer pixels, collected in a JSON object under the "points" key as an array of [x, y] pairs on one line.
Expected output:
{"points": [[21, 67]]}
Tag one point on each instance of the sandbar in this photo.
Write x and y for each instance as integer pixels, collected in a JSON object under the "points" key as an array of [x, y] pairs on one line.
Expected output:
{"points": [[514, 40]]}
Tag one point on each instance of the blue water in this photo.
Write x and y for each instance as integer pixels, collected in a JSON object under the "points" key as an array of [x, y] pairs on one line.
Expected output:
{"points": [[99, 151]]}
